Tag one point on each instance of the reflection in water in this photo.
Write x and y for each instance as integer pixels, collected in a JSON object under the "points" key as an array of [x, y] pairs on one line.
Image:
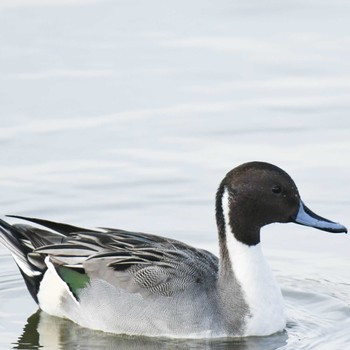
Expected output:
{"points": [[47, 332], [30, 336]]}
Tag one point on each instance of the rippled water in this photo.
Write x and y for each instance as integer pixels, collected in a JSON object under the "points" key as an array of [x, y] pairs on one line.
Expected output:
{"points": [[128, 114]]}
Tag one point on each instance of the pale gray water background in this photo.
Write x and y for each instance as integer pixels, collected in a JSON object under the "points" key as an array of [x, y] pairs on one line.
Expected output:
{"points": [[128, 114]]}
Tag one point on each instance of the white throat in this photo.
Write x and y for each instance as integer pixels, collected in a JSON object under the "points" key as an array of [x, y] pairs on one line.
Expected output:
{"points": [[260, 289]]}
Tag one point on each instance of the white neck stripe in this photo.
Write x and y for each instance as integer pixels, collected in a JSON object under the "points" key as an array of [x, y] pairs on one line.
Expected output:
{"points": [[258, 284]]}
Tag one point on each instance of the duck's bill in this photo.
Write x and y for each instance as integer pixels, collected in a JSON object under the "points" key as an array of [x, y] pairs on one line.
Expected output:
{"points": [[308, 218]]}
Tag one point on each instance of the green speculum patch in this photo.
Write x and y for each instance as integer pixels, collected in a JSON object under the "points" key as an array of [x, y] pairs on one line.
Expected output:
{"points": [[74, 279]]}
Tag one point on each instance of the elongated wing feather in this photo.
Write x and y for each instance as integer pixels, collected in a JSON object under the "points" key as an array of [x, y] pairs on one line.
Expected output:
{"points": [[55, 226], [134, 261]]}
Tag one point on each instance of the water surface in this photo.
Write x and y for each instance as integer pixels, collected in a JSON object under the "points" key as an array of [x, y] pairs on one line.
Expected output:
{"points": [[128, 114]]}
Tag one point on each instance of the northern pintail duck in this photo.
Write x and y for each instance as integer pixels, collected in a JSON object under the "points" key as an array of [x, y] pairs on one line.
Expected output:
{"points": [[141, 284]]}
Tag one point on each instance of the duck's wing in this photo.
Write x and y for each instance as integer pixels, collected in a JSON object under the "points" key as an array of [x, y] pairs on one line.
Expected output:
{"points": [[134, 261]]}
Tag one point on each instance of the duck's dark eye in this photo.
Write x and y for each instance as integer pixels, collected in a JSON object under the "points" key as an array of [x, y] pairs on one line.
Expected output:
{"points": [[277, 189]]}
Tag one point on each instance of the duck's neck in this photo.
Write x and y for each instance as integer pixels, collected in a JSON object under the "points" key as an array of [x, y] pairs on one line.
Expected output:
{"points": [[245, 279]]}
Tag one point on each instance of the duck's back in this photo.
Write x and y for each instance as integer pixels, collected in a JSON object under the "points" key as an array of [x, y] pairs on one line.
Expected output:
{"points": [[124, 282]]}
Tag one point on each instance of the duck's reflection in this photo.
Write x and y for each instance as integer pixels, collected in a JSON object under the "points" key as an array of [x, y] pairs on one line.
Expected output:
{"points": [[43, 331]]}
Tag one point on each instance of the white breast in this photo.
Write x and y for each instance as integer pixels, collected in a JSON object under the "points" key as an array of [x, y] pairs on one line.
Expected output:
{"points": [[261, 291]]}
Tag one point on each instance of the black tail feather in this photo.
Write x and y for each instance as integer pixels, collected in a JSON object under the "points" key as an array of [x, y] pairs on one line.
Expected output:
{"points": [[22, 240], [20, 248], [33, 284]]}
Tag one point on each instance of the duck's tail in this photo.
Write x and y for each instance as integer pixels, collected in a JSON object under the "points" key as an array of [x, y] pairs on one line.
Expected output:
{"points": [[21, 240]]}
